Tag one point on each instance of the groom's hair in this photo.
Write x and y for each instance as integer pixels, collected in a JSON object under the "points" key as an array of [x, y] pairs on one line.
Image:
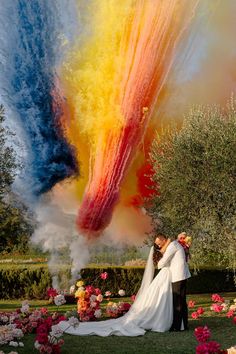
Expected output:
{"points": [[160, 235]]}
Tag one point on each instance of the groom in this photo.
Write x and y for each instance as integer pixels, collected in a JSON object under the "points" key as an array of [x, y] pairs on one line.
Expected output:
{"points": [[174, 258]]}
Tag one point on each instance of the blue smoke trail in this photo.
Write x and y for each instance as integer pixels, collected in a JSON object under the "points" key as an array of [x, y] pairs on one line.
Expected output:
{"points": [[29, 52]]}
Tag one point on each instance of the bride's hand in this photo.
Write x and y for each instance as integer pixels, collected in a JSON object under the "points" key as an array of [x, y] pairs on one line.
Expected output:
{"points": [[163, 249]]}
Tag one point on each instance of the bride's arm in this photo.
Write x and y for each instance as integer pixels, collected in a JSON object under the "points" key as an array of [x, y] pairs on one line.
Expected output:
{"points": [[164, 261], [163, 249]]}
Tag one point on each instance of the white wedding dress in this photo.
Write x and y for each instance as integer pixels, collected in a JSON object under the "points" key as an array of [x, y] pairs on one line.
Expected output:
{"points": [[151, 310]]}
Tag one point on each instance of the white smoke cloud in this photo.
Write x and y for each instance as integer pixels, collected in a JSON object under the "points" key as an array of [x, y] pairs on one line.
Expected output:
{"points": [[57, 235]]}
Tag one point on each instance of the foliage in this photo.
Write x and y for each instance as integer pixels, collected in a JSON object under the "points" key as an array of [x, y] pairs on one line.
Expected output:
{"points": [[14, 219], [32, 282], [195, 178]]}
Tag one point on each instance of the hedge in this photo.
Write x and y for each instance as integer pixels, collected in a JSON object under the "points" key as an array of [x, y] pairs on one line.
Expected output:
{"points": [[21, 282]]}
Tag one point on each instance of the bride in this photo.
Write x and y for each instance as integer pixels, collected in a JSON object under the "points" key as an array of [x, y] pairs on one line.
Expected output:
{"points": [[151, 310]]}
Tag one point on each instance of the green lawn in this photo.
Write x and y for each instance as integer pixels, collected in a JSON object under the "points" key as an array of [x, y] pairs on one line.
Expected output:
{"points": [[222, 328]]}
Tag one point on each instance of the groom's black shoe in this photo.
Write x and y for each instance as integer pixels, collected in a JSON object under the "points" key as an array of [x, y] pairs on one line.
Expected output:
{"points": [[174, 330]]}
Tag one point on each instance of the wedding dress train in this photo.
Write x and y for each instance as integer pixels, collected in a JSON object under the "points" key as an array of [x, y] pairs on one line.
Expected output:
{"points": [[151, 310]]}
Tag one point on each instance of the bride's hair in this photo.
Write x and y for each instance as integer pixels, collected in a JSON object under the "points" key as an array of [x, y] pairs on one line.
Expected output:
{"points": [[156, 255]]}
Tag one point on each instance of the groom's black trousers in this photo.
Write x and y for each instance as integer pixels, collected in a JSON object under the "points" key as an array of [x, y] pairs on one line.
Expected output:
{"points": [[180, 308]]}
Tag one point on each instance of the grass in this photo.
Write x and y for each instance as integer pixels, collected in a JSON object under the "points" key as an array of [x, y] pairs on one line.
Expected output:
{"points": [[222, 328]]}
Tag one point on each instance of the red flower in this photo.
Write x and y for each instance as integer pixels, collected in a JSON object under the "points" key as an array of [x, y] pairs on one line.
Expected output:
{"points": [[202, 334], [90, 289], [133, 297], [52, 292], [44, 311], [97, 291], [234, 320], [217, 307], [104, 275], [191, 304], [200, 310], [208, 348], [217, 298], [195, 315], [61, 318], [213, 347], [230, 313], [202, 349]]}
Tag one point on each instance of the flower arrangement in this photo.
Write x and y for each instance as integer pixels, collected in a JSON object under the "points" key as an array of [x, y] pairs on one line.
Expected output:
{"points": [[88, 302], [114, 309], [14, 325], [205, 346], [48, 337]]}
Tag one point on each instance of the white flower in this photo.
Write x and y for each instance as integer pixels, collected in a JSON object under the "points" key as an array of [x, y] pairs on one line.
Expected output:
{"points": [[72, 289], [4, 319], [233, 307], [13, 344], [73, 321], [25, 308], [17, 332], [231, 350], [121, 292], [81, 288], [225, 306], [93, 298], [59, 300], [98, 313], [13, 353], [21, 344], [56, 331], [107, 293], [37, 345]]}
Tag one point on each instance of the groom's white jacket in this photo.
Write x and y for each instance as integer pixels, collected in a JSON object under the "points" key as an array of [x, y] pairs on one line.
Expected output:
{"points": [[174, 258]]}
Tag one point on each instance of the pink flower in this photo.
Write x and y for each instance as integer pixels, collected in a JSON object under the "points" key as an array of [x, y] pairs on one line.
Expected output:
{"points": [[230, 313], [202, 334], [107, 293], [44, 311], [217, 298], [200, 310], [100, 298], [216, 307], [133, 297], [191, 304], [195, 315], [104, 275]]}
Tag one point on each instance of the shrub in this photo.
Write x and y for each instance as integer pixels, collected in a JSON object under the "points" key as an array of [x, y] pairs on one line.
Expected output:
{"points": [[20, 282]]}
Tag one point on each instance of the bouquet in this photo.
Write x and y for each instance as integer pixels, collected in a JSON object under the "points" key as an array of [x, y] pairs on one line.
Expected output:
{"points": [[185, 242], [88, 302]]}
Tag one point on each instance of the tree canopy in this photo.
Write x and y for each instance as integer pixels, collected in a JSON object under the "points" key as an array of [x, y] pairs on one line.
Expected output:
{"points": [[195, 179], [14, 226]]}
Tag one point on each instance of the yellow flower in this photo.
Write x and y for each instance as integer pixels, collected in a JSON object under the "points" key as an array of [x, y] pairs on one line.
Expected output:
{"points": [[80, 293], [80, 283], [188, 240]]}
